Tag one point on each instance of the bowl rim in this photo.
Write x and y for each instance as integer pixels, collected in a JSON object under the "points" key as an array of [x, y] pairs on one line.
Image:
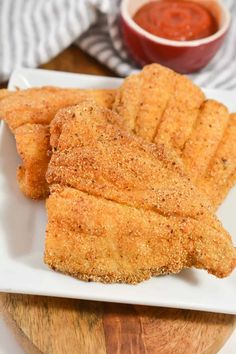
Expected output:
{"points": [[195, 43]]}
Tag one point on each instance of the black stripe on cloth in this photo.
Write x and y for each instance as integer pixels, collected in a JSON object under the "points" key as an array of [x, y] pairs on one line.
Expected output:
{"points": [[89, 41]]}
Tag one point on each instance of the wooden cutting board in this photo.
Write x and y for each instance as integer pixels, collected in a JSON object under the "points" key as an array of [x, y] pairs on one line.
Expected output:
{"points": [[58, 326]]}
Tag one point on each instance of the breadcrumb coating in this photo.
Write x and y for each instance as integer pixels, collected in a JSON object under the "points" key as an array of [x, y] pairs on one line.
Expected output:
{"points": [[28, 114], [39, 105], [123, 210], [166, 107], [221, 173], [33, 146]]}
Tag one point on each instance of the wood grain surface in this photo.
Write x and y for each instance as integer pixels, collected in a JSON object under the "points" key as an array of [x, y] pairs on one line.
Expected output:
{"points": [[53, 325], [58, 326]]}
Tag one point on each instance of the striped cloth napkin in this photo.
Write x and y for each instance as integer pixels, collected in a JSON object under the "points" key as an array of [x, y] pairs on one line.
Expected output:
{"points": [[34, 31]]}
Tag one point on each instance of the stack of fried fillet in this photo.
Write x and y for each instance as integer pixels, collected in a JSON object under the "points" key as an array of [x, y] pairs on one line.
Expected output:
{"points": [[121, 209], [28, 113], [123, 205], [162, 106]]}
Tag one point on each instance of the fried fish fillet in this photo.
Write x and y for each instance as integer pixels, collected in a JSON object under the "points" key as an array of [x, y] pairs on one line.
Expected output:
{"points": [[28, 113], [122, 209], [164, 107], [39, 105], [4, 93], [221, 173], [33, 146]]}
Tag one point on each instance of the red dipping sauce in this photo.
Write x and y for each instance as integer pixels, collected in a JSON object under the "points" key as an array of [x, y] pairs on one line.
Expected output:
{"points": [[176, 20]]}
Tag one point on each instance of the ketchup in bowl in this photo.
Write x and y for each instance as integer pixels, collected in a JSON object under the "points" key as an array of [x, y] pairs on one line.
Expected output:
{"points": [[176, 20]]}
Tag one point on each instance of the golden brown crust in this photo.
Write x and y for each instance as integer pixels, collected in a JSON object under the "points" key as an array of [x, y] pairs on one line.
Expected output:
{"points": [[126, 101], [180, 114], [96, 239], [28, 113], [125, 179], [4, 93], [32, 142], [39, 105], [78, 219], [156, 82], [208, 131], [220, 176], [122, 210], [143, 98], [181, 119]]}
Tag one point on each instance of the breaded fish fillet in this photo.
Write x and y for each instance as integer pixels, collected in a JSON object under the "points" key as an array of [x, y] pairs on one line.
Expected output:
{"points": [[221, 173], [39, 105], [166, 107], [208, 131], [32, 141], [121, 209], [159, 104], [28, 114], [4, 93]]}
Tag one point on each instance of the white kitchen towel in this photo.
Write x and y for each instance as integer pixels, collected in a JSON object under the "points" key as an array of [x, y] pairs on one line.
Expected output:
{"points": [[34, 31]]}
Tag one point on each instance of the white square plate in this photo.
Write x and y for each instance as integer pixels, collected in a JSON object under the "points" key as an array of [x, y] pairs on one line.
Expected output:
{"points": [[23, 221]]}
